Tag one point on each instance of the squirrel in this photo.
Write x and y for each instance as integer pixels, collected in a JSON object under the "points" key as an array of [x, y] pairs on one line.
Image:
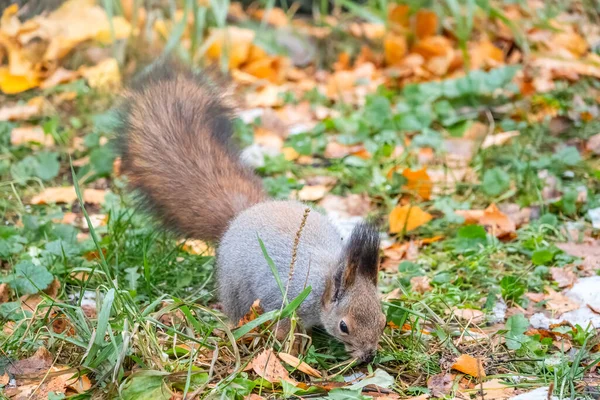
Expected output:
{"points": [[176, 150]]}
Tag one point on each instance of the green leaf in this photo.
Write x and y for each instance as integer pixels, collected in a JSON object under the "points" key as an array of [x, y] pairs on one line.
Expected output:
{"points": [[513, 287], [30, 278], [24, 169], [516, 326], [103, 316], [542, 257], [47, 166], [146, 386], [568, 156], [495, 182], [102, 160], [380, 378]]}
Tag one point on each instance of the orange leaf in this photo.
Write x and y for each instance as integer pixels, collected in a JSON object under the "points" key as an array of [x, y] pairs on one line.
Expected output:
{"points": [[67, 195], [234, 42], [300, 365], [407, 218], [399, 15], [426, 23], [395, 47], [418, 182], [470, 366], [433, 46], [496, 222]]}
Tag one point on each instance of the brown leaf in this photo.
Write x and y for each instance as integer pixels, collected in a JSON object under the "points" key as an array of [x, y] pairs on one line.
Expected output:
{"points": [[313, 193], [407, 218], [588, 251], [559, 303], [499, 139], [420, 284], [440, 385], [67, 195], [491, 218], [494, 389], [28, 134], [59, 76], [394, 48], [4, 379], [593, 144], [565, 277], [37, 363], [33, 108], [269, 367], [255, 311], [298, 364], [4, 292], [470, 315], [470, 366]]}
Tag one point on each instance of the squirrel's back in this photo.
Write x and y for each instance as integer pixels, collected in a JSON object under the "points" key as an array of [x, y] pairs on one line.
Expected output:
{"points": [[176, 151]]}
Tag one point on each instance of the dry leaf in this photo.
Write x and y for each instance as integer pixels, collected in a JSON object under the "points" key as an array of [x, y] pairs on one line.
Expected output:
{"points": [[104, 76], [4, 379], [59, 76], [494, 389], [589, 252], [593, 144], [484, 54], [67, 195], [233, 42], [420, 284], [394, 48], [298, 364], [470, 315], [13, 84], [559, 303], [565, 277], [407, 218], [418, 182], [38, 363], [28, 134], [313, 193], [426, 23], [491, 218], [33, 108], [499, 139], [469, 365], [440, 385], [269, 367], [399, 15], [4, 292]]}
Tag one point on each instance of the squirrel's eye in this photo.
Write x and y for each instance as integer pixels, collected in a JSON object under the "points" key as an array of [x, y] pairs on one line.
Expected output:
{"points": [[344, 327]]}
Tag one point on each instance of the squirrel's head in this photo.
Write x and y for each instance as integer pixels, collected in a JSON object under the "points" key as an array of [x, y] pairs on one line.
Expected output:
{"points": [[351, 310]]}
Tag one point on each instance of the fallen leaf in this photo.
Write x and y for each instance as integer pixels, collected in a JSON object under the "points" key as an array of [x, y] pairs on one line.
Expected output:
{"points": [[394, 48], [38, 363], [420, 284], [440, 385], [267, 366], [67, 195], [29, 134], [255, 311], [484, 54], [103, 76], [13, 84], [4, 379], [4, 292], [426, 23], [470, 315], [313, 193], [399, 14], [593, 144], [233, 42], [495, 389], [499, 139], [588, 251], [567, 68], [491, 218], [61, 75], [565, 277], [559, 303], [298, 364], [418, 182], [33, 108], [469, 365], [407, 218]]}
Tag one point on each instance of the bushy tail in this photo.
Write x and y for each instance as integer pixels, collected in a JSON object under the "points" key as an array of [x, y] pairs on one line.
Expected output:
{"points": [[175, 148]]}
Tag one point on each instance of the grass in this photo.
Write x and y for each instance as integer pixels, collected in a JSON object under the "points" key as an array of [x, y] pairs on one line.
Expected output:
{"points": [[153, 327]]}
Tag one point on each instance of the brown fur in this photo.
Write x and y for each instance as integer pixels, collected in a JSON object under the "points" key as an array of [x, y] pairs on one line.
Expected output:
{"points": [[176, 151]]}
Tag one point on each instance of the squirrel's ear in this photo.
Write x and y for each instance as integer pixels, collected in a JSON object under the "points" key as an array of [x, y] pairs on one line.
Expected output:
{"points": [[362, 254]]}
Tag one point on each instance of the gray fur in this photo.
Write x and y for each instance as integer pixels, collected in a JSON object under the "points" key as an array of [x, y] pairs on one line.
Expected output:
{"points": [[243, 274]]}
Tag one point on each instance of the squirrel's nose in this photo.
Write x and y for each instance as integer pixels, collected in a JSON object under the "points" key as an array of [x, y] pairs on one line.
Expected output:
{"points": [[368, 356]]}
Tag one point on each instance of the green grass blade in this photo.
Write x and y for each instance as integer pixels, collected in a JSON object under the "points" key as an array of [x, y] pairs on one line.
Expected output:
{"points": [[104, 316]]}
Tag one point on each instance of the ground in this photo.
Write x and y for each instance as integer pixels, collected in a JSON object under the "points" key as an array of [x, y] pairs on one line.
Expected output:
{"points": [[467, 130]]}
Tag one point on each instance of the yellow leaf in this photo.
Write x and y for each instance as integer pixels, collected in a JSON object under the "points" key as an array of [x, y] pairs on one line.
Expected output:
{"points": [[418, 182], [300, 365], [407, 218], [470, 366], [394, 47], [104, 76], [426, 23], [289, 153], [313, 193], [233, 42], [12, 84]]}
